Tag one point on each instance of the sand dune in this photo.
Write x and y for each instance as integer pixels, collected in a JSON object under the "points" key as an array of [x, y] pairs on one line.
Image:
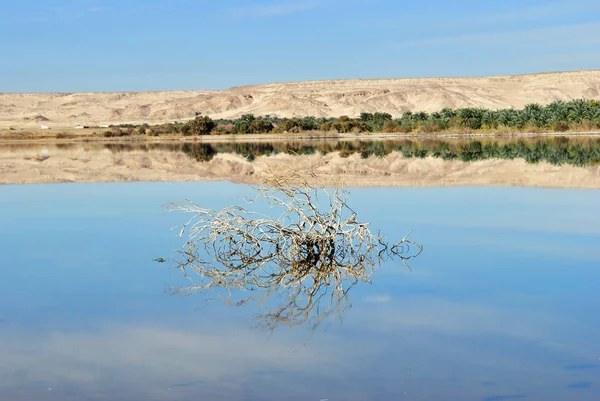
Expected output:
{"points": [[315, 98]]}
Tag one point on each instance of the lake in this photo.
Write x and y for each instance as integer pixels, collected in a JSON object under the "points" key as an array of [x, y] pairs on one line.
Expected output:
{"points": [[502, 304]]}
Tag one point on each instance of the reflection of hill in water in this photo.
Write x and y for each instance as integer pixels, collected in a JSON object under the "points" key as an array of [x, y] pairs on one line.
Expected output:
{"points": [[542, 162], [577, 151]]}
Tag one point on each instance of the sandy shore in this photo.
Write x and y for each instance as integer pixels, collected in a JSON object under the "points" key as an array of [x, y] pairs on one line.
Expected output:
{"points": [[35, 165], [36, 138]]}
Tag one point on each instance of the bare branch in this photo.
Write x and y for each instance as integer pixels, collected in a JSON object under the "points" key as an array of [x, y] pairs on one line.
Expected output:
{"points": [[301, 263]]}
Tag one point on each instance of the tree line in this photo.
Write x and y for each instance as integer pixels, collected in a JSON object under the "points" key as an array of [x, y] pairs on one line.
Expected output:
{"points": [[559, 116]]}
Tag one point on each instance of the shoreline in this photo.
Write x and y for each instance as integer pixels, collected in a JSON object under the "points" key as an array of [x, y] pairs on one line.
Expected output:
{"points": [[292, 137]]}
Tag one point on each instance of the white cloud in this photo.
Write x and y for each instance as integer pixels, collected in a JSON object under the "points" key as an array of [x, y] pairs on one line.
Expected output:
{"points": [[431, 314], [276, 8], [147, 360]]}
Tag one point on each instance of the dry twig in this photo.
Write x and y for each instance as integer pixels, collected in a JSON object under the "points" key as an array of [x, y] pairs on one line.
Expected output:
{"points": [[305, 260]]}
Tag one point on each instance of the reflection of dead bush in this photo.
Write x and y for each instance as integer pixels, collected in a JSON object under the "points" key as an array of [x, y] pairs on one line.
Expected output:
{"points": [[307, 258]]}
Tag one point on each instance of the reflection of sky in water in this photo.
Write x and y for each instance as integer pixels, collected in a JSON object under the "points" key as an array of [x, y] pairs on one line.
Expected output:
{"points": [[502, 305]]}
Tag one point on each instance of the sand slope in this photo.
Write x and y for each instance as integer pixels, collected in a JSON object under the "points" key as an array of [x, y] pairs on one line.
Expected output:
{"points": [[30, 165], [315, 98]]}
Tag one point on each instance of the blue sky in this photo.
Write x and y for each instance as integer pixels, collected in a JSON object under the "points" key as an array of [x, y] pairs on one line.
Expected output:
{"points": [[131, 45]]}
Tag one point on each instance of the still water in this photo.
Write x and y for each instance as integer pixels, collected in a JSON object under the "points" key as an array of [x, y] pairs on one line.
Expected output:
{"points": [[502, 305]]}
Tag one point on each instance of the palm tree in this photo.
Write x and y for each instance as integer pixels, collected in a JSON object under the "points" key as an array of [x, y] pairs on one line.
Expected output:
{"points": [[470, 117], [580, 110], [490, 119], [558, 111], [447, 113]]}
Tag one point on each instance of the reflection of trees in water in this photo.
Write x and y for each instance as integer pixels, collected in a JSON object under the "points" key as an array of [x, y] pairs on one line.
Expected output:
{"points": [[66, 146], [558, 150], [202, 152], [250, 150], [300, 264], [128, 147]]}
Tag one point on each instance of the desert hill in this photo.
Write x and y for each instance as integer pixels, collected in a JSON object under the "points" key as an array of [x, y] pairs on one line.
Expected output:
{"points": [[315, 98]]}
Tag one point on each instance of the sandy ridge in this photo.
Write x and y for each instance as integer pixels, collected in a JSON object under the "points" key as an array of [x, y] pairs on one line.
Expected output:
{"points": [[317, 98]]}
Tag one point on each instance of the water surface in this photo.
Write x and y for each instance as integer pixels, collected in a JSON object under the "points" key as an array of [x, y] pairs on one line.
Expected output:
{"points": [[502, 304]]}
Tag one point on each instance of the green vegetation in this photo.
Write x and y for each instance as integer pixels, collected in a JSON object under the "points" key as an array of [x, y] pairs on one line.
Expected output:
{"points": [[118, 132], [198, 126], [557, 150], [579, 115]]}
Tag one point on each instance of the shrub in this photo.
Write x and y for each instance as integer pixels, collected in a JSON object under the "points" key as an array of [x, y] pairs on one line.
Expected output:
{"points": [[223, 129], [430, 128], [405, 127], [326, 126], [186, 130], [391, 126], [260, 126], [286, 125], [201, 125], [116, 132], [346, 125]]}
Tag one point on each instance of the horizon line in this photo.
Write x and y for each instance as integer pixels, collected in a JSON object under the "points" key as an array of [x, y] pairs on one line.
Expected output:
{"points": [[306, 82]]}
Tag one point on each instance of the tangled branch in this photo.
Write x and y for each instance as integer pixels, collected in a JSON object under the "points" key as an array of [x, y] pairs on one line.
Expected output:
{"points": [[306, 259]]}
